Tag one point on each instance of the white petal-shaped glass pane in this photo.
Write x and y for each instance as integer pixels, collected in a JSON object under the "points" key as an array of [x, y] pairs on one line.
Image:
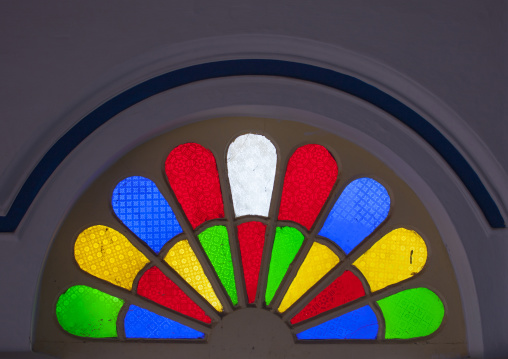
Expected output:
{"points": [[251, 168]]}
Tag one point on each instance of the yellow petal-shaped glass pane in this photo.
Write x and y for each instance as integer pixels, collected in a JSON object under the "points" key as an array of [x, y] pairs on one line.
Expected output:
{"points": [[397, 256], [319, 261], [183, 260], [108, 255]]}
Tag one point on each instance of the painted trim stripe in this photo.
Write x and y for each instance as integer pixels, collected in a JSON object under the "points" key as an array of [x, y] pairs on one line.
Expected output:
{"points": [[261, 67]]}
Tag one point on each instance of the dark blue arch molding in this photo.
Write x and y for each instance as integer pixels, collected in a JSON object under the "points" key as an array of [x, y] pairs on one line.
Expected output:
{"points": [[211, 70]]}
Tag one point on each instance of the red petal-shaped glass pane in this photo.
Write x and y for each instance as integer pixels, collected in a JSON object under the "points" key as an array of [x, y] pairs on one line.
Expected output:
{"points": [[310, 176], [155, 286], [192, 174], [251, 236], [344, 289]]}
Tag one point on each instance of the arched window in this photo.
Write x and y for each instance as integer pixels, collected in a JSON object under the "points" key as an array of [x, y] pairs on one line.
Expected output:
{"points": [[234, 224]]}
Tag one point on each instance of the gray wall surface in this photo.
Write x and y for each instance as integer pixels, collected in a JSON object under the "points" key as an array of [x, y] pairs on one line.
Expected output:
{"points": [[445, 60]]}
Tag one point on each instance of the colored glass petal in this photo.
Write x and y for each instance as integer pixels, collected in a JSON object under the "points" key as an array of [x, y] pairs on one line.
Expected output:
{"points": [[358, 324], [251, 237], [192, 174], [399, 255], [286, 244], [155, 286], [141, 323], [139, 204], [183, 260], [88, 312], [412, 313], [319, 261], [310, 176], [108, 255], [215, 242], [251, 163], [342, 290], [361, 207]]}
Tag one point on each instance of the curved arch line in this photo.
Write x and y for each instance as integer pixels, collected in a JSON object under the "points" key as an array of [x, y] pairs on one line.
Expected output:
{"points": [[261, 67]]}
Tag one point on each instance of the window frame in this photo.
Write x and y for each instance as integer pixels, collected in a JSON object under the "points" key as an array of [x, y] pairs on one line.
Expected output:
{"points": [[369, 166]]}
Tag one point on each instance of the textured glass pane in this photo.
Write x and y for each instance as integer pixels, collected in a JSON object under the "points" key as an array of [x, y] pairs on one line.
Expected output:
{"points": [[412, 313], [286, 244], [399, 255], [310, 176], [358, 324], [141, 323], [361, 207], [215, 242], [251, 169], [108, 255], [192, 174], [183, 260], [319, 261], [142, 208], [155, 286], [344, 289], [251, 237], [88, 312]]}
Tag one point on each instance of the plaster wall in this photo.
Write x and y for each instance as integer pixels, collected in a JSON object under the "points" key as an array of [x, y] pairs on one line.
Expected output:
{"points": [[445, 60]]}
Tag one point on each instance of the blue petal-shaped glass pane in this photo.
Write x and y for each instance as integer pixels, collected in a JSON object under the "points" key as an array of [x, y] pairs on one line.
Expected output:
{"points": [[140, 206], [141, 323], [358, 324], [362, 206]]}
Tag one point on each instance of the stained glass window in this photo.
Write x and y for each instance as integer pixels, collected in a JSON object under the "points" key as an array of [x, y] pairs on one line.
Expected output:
{"points": [[400, 254], [289, 236], [139, 204], [192, 173], [342, 290], [141, 323], [286, 245], [319, 261], [154, 285], [215, 242], [88, 312], [310, 175], [107, 254], [357, 324], [184, 261], [251, 238], [361, 207], [252, 160]]}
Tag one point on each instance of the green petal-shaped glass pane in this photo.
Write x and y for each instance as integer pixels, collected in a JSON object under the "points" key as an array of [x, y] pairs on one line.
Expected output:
{"points": [[215, 242], [88, 312], [412, 313], [286, 244]]}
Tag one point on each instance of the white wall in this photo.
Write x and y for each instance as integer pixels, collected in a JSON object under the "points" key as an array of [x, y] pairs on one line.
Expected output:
{"points": [[446, 60]]}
